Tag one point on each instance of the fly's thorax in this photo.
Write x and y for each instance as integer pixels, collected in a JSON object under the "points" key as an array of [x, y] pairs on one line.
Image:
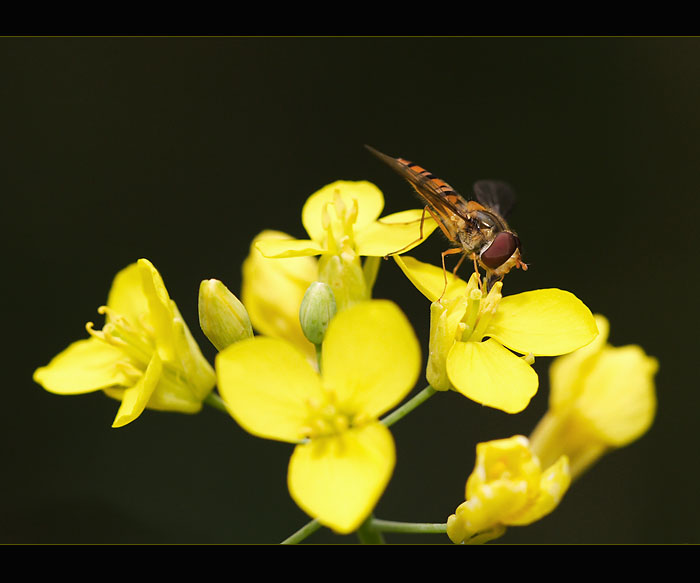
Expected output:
{"points": [[471, 238]]}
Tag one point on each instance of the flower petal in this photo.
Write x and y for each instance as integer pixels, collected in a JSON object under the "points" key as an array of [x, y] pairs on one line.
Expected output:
{"points": [[280, 248], [267, 384], [370, 201], [430, 280], [199, 374], [554, 483], [126, 296], [371, 357], [399, 232], [85, 366], [544, 322], [160, 309], [339, 479], [490, 374], [618, 399], [135, 399], [567, 373], [272, 291]]}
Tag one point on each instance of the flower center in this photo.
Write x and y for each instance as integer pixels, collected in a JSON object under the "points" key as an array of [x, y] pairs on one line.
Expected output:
{"points": [[136, 342], [327, 418], [340, 267], [479, 311], [338, 221]]}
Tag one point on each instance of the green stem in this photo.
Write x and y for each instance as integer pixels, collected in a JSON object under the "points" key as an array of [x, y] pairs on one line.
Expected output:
{"points": [[368, 534], [319, 350], [409, 406], [409, 527], [302, 533], [216, 401]]}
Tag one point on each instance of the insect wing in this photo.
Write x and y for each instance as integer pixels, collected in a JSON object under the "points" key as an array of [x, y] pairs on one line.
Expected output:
{"points": [[440, 197], [495, 194]]}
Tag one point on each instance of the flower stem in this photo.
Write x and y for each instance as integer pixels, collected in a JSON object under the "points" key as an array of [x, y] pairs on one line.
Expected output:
{"points": [[302, 533], [216, 401], [369, 534], [409, 406], [319, 351], [409, 527]]}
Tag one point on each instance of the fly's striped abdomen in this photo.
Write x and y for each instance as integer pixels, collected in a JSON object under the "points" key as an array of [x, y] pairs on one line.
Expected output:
{"points": [[439, 185]]}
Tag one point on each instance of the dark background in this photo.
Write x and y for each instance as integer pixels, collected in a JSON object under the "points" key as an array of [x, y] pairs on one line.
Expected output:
{"points": [[182, 149]]}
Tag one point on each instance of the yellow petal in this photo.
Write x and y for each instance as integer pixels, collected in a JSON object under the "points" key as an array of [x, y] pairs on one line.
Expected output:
{"points": [[135, 399], [160, 309], [544, 322], [371, 357], [280, 248], [567, 373], [552, 486], [490, 374], [267, 385], [199, 374], [618, 398], [399, 232], [85, 366], [126, 296], [369, 198], [339, 479], [430, 280], [272, 291]]}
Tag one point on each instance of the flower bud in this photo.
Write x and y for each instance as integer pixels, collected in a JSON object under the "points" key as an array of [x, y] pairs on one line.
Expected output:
{"points": [[317, 309], [223, 318]]}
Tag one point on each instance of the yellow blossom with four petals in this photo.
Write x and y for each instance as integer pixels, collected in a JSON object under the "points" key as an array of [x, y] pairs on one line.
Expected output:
{"points": [[343, 222], [144, 356], [344, 456], [508, 487], [472, 336]]}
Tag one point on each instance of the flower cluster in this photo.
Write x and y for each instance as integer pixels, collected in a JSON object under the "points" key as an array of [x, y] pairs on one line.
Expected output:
{"points": [[308, 357]]}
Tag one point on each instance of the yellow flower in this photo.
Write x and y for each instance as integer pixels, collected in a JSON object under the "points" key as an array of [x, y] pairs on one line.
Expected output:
{"points": [[342, 221], [506, 488], [144, 356], [272, 291], [345, 456], [472, 336], [601, 397]]}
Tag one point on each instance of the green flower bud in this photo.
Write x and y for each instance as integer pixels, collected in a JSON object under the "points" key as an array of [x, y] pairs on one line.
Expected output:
{"points": [[223, 318], [317, 309]]}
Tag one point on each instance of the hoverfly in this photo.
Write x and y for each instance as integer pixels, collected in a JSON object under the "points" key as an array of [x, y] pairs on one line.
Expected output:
{"points": [[476, 228]]}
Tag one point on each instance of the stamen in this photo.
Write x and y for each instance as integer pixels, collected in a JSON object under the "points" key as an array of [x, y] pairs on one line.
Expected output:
{"points": [[325, 419], [472, 313], [352, 215], [340, 208]]}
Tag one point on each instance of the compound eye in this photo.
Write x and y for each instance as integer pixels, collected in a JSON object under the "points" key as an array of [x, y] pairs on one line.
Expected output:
{"points": [[503, 246]]}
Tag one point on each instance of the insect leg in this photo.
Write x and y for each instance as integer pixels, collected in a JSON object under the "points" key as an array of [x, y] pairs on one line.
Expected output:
{"points": [[461, 259], [420, 237], [444, 271], [476, 270]]}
